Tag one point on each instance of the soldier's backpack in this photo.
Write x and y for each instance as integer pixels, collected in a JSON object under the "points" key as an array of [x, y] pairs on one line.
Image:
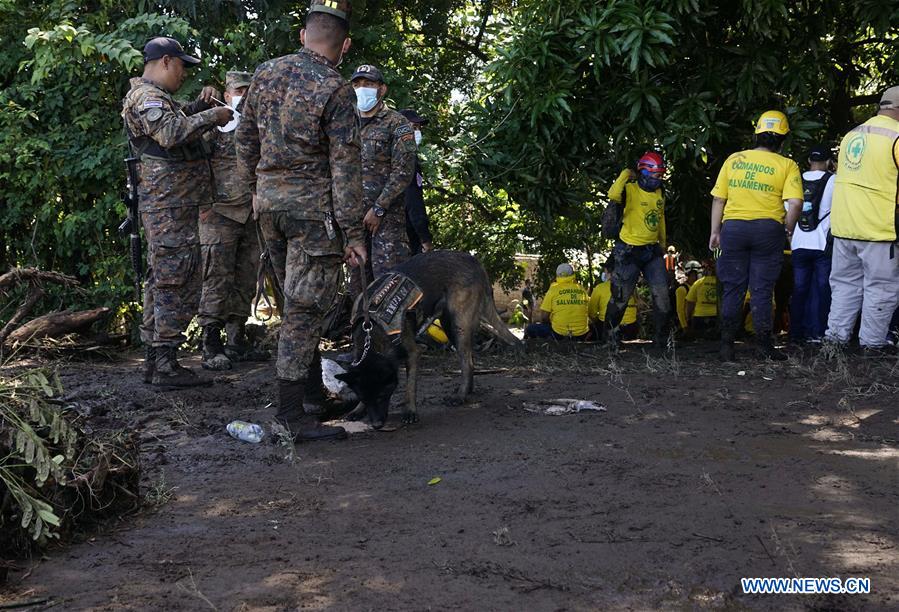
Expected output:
{"points": [[813, 193], [612, 217]]}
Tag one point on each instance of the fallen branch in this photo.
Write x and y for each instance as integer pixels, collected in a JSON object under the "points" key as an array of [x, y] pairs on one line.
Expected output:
{"points": [[57, 324], [35, 277]]}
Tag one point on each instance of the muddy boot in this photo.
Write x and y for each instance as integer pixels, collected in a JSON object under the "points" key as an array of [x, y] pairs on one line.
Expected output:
{"points": [[214, 357], [238, 347], [149, 364], [728, 335], [170, 373], [292, 415], [766, 347], [660, 339]]}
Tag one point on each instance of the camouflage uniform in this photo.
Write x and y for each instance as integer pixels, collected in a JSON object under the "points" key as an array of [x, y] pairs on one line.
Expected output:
{"points": [[228, 241], [298, 149], [175, 181], [388, 166]]}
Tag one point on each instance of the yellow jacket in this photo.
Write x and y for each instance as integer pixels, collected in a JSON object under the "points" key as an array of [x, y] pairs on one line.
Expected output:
{"points": [[866, 192]]}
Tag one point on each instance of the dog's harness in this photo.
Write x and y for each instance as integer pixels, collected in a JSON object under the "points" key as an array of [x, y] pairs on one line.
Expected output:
{"points": [[387, 302]]}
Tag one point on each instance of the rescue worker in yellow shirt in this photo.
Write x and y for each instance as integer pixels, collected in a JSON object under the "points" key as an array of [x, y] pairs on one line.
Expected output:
{"points": [[865, 222], [599, 302], [640, 246], [748, 198], [702, 302], [691, 273], [564, 309]]}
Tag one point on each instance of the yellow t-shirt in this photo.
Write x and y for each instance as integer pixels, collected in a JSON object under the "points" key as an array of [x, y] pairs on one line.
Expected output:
{"points": [[599, 302], [566, 302], [755, 185], [704, 293], [644, 212], [680, 300]]}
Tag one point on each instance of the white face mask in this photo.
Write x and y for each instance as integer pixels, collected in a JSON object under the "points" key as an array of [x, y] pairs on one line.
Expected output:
{"points": [[604, 276], [418, 137], [366, 98], [231, 125], [235, 100]]}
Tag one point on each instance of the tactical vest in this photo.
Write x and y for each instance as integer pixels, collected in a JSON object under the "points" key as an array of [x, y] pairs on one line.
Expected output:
{"points": [[866, 191]]}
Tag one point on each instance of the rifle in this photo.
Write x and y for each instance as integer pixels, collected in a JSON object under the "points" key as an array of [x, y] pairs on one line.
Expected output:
{"points": [[131, 224]]}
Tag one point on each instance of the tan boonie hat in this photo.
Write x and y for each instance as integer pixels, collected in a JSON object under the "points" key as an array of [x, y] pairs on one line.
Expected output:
{"points": [[338, 8], [890, 98], [236, 78]]}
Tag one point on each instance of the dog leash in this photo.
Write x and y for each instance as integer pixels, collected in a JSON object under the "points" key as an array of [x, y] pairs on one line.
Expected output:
{"points": [[266, 269], [366, 322]]}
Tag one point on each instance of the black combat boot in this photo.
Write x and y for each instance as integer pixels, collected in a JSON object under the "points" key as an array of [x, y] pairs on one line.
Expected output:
{"points": [[292, 415], [214, 357], [149, 364], [728, 335], [170, 373], [766, 347], [238, 347]]}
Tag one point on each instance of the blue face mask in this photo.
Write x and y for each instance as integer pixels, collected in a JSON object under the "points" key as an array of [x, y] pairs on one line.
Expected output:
{"points": [[647, 182], [366, 98]]}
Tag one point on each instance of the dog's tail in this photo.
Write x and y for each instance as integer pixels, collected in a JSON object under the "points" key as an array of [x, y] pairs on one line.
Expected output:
{"points": [[490, 320]]}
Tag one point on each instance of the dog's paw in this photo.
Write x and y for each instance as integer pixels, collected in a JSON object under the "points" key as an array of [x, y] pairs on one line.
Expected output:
{"points": [[453, 400], [410, 418]]}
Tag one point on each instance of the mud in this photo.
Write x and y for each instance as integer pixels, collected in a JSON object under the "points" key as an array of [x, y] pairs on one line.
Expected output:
{"points": [[694, 477]]}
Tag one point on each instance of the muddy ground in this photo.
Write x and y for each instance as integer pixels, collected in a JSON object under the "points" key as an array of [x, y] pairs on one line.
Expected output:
{"points": [[695, 477]]}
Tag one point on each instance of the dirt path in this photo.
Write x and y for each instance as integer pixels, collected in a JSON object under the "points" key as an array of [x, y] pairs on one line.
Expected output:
{"points": [[694, 478]]}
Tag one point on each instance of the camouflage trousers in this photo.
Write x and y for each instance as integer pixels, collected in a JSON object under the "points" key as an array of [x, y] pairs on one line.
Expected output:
{"points": [[308, 266], [387, 248], [172, 289], [230, 259]]}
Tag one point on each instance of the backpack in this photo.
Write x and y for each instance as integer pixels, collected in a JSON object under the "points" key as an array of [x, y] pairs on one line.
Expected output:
{"points": [[613, 217], [813, 193]]}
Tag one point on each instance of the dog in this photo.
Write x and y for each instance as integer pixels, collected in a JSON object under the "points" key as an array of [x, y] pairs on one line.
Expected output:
{"points": [[448, 285]]}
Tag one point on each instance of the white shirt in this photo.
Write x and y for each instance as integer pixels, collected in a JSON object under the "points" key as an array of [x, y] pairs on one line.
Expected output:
{"points": [[815, 240]]}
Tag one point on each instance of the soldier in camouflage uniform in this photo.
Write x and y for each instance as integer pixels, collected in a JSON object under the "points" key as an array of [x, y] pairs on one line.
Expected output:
{"points": [[388, 166], [229, 246], [298, 150], [174, 181]]}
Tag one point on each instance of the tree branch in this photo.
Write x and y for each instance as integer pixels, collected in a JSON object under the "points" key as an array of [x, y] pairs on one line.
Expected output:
{"points": [[862, 100]]}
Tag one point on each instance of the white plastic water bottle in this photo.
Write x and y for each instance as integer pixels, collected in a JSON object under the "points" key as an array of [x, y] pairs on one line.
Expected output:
{"points": [[248, 432]]}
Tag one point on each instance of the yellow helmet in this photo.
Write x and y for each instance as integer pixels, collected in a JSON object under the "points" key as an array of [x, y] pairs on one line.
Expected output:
{"points": [[773, 121]]}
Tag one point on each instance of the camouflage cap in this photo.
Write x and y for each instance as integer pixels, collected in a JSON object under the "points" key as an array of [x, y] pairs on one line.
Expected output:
{"points": [[338, 8], [367, 71], [236, 78]]}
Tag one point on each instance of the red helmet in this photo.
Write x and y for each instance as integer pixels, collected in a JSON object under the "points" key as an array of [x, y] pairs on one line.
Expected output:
{"points": [[651, 162]]}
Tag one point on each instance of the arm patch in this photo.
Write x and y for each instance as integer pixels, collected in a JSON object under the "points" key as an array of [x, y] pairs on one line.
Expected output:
{"points": [[152, 103], [154, 114], [404, 130]]}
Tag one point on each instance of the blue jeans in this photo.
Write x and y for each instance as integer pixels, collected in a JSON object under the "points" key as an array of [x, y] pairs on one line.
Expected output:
{"points": [[810, 303], [630, 262], [751, 257]]}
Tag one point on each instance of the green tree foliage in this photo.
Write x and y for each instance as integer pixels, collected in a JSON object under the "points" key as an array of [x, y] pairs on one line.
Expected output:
{"points": [[535, 106], [579, 89]]}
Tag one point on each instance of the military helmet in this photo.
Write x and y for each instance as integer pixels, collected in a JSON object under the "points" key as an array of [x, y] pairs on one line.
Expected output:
{"points": [[338, 8]]}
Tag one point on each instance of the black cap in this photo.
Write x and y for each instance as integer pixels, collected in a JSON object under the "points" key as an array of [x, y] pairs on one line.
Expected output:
{"points": [[158, 47], [413, 117], [820, 153], [367, 71]]}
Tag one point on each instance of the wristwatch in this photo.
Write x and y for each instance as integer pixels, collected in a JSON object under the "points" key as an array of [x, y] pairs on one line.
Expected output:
{"points": [[379, 212]]}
